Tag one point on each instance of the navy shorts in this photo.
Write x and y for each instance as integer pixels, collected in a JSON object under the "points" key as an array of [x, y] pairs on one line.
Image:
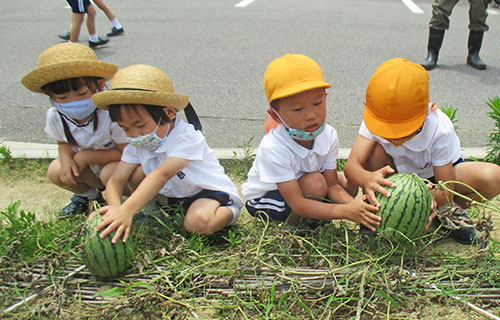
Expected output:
{"points": [[272, 203], [79, 6], [222, 197], [460, 160]]}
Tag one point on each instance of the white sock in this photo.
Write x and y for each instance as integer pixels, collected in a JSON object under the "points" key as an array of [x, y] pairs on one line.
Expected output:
{"points": [[90, 194], [94, 38], [116, 24]]}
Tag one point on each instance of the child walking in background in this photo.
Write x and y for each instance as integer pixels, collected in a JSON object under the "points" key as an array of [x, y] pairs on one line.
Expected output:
{"points": [[405, 132], [297, 158], [117, 28], [79, 9], [89, 143], [173, 157]]}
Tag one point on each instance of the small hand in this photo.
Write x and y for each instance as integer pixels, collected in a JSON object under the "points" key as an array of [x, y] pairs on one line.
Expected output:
{"points": [[362, 212], [433, 209], [68, 174], [375, 184], [114, 218]]}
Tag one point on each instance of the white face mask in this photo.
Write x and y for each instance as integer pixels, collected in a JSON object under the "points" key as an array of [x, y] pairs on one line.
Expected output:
{"points": [[149, 141], [77, 110], [301, 134]]}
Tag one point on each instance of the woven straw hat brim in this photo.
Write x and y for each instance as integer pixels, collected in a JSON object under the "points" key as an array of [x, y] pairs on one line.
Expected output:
{"points": [[36, 79], [104, 99]]}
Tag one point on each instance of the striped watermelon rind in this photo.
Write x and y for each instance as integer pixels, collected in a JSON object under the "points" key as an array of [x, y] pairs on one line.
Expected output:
{"points": [[104, 259], [406, 212]]}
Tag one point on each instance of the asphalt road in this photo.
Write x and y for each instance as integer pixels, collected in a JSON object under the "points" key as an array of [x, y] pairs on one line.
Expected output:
{"points": [[217, 54]]}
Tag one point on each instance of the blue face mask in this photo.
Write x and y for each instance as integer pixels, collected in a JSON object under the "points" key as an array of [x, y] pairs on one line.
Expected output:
{"points": [[149, 141], [301, 134], [77, 110]]}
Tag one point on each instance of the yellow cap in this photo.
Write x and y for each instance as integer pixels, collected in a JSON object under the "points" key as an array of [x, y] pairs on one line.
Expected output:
{"points": [[291, 74], [396, 99]]}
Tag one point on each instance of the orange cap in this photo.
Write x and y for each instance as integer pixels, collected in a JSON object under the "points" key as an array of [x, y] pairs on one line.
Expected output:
{"points": [[291, 74], [396, 99]]}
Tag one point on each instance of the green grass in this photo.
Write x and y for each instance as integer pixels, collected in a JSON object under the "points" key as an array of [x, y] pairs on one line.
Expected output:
{"points": [[370, 279], [12, 169]]}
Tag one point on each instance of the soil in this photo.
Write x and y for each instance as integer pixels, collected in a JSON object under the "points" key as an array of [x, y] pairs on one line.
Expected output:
{"points": [[42, 198]]}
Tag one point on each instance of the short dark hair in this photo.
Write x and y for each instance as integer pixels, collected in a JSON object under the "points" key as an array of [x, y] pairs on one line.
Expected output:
{"points": [[72, 84], [156, 112], [275, 104]]}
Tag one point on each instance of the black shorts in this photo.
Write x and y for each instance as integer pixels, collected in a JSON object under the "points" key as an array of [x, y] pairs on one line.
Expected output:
{"points": [[79, 6], [222, 197], [272, 203], [460, 160]]}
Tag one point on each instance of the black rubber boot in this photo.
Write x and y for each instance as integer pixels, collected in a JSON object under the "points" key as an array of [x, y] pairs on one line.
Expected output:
{"points": [[474, 45], [435, 41]]}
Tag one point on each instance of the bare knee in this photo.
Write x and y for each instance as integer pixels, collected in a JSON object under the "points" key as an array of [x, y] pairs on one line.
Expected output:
{"points": [[313, 184], [484, 177], [107, 172], [136, 178], [199, 221], [53, 172]]}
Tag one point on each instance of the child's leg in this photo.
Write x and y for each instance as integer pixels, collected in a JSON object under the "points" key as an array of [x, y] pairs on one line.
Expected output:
{"points": [[107, 11], [134, 181], [484, 177], [76, 25], [378, 159], [91, 13], [351, 189], [206, 216], [314, 185]]}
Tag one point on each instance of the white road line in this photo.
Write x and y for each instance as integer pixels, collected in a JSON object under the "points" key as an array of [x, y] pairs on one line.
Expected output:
{"points": [[243, 3], [412, 6], [492, 11]]}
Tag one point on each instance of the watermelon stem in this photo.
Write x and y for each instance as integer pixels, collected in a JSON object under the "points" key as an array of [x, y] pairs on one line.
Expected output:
{"points": [[442, 185]]}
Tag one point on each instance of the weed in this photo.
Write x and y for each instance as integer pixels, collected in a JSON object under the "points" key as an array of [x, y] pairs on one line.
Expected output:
{"points": [[6, 155], [493, 154], [21, 168], [24, 238], [451, 112], [242, 162]]}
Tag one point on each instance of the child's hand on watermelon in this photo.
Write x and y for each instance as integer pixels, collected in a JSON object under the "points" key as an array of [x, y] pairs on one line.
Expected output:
{"points": [[360, 211], [375, 182], [114, 217]]}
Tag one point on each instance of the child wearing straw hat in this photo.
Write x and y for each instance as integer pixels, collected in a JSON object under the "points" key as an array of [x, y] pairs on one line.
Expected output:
{"points": [[176, 161], [296, 160], [404, 131], [89, 143]]}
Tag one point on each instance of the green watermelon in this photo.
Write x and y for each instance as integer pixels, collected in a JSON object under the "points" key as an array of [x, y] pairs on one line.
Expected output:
{"points": [[406, 212], [104, 259]]}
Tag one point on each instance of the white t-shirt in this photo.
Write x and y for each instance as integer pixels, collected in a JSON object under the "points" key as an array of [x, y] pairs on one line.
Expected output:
{"points": [[279, 159], [203, 170], [107, 135], [436, 145]]}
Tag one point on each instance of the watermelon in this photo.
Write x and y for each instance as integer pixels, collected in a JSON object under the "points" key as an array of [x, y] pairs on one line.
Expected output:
{"points": [[406, 212], [104, 259]]}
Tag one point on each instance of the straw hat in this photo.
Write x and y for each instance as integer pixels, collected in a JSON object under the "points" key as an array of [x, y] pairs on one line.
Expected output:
{"points": [[291, 74], [141, 84], [396, 99], [66, 61]]}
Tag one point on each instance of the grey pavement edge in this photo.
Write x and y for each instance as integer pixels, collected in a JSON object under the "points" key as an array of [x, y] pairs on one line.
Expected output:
{"points": [[40, 150]]}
